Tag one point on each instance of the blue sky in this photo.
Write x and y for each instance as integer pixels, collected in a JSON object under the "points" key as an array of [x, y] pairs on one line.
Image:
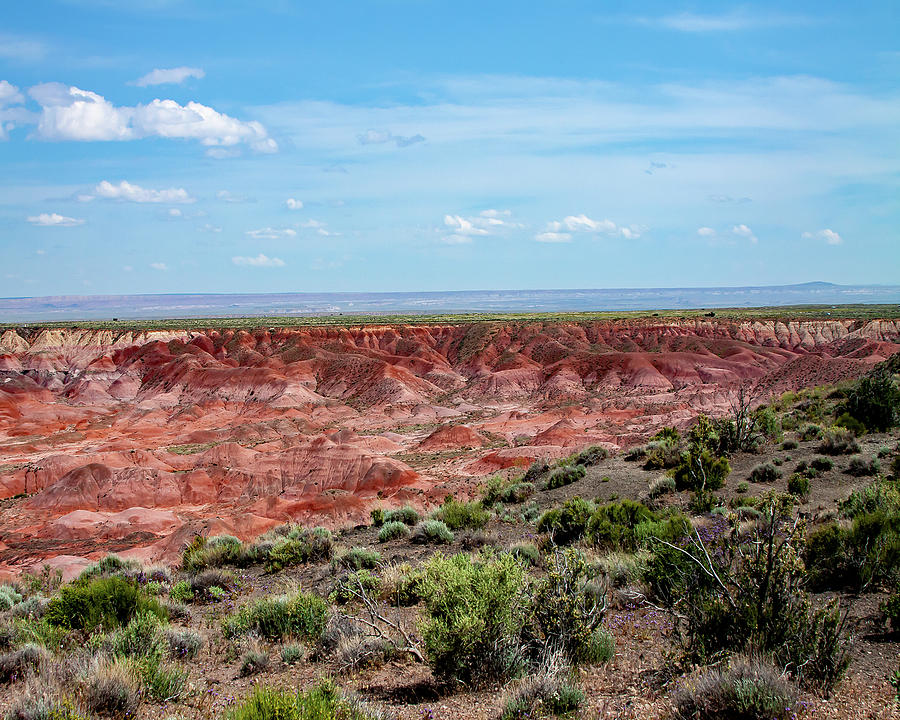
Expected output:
{"points": [[225, 146]]}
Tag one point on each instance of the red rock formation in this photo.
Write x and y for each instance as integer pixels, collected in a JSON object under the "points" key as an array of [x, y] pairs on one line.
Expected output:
{"points": [[134, 441]]}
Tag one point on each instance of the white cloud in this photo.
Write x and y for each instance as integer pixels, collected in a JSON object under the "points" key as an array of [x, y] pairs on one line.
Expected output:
{"points": [[175, 213], [159, 266], [320, 227], [706, 232], [293, 204], [9, 94], [495, 213], [463, 226], [828, 235], [40, 252], [229, 197], [733, 21], [211, 228], [380, 137], [582, 223], [553, 237], [258, 261], [69, 113], [171, 76], [630, 233], [135, 193], [14, 47], [54, 220], [744, 232], [223, 153], [268, 233]]}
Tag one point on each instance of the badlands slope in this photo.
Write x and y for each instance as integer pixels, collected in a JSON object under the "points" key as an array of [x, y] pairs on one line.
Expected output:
{"points": [[134, 442]]}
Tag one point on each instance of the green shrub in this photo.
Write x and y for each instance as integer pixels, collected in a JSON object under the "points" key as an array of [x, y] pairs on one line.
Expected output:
{"points": [[112, 689], [377, 515], [567, 524], [798, 485], [569, 604], [357, 558], [393, 530], [701, 471], [600, 648], [821, 464], [8, 597], [109, 566], [875, 401], [299, 548], [162, 682], [407, 515], [106, 602], [611, 526], [461, 515], [475, 611], [839, 441], [349, 587], [789, 445], [536, 695], [323, 702], [564, 475], [742, 487], [253, 662], [183, 644], [891, 610], [292, 654], [747, 689], [589, 456], [517, 493], [848, 422], [811, 432], [300, 615], [207, 552], [403, 585], [661, 486], [527, 553], [181, 592], [661, 454], [142, 637], [431, 531], [764, 473], [862, 467]]}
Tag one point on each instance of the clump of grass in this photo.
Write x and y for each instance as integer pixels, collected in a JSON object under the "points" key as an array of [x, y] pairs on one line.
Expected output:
{"points": [[393, 530], [527, 553], [431, 532], [661, 486], [358, 558], [564, 475], [458, 515], [764, 473], [292, 653], [253, 662], [839, 441], [408, 515], [862, 467], [15, 664], [299, 615], [183, 644]]}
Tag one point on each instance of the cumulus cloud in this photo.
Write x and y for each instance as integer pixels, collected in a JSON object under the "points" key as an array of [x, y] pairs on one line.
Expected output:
{"points": [[258, 261], [170, 76], [744, 232], [463, 226], [828, 235], [9, 94], [125, 191], [380, 137], [320, 228], [54, 220], [562, 230], [706, 232], [487, 222], [70, 113], [268, 233], [293, 204], [159, 266]]}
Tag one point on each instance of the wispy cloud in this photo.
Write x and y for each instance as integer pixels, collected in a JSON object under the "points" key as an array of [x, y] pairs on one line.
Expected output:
{"points": [[563, 230], [829, 236], [380, 137], [54, 220], [732, 21], [258, 261], [161, 266], [269, 233], [21, 48], [487, 222], [170, 76]]}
